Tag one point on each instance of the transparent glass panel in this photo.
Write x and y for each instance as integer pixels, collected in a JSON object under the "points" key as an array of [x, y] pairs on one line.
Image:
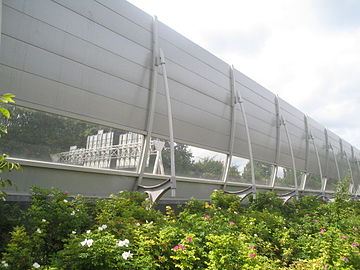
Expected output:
{"points": [[313, 182], [285, 177], [43, 136], [190, 161], [343, 168], [347, 170], [240, 171], [331, 184], [158, 161], [356, 174], [237, 168], [205, 163], [262, 172]]}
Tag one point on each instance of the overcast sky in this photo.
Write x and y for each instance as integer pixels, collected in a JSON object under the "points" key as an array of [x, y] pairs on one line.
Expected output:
{"points": [[307, 51]]}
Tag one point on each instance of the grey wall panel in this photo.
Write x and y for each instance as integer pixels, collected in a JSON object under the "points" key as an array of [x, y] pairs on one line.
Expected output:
{"points": [[38, 90], [192, 80], [132, 73], [257, 99], [53, 40], [334, 141], [198, 99], [193, 115], [290, 110], [168, 34], [128, 11], [104, 16], [198, 136], [254, 86], [347, 148], [81, 27], [258, 121], [187, 61], [172, 52], [50, 66], [193, 49]]}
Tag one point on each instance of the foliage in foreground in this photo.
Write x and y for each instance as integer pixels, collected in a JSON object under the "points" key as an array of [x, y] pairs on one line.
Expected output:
{"points": [[122, 232], [5, 165]]}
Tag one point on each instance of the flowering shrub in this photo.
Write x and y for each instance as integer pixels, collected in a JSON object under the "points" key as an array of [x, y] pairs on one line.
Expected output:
{"points": [[123, 232], [98, 249]]}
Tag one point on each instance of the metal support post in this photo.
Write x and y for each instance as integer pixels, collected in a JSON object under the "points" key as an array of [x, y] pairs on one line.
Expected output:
{"points": [[305, 175], [232, 128], [292, 157], [158, 190], [253, 183], [336, 162], [327, 157], [358, 166], [171, 130], [151, 112], [323, 185], [281, 122], [351, 173], [237, 99], [274, 168]]}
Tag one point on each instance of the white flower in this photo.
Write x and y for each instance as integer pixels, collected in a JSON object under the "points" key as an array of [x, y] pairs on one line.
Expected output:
{"points": [[73, 232], [72, 213], [123, 243], [102, 227], [90, 242], [255, 235], [137, 224], [65, 201], [235, 212], [126, 255], [36, 265], [38, 230], [88, 231], [251, 223], [4, 264], [43, 220], [87, 242]]}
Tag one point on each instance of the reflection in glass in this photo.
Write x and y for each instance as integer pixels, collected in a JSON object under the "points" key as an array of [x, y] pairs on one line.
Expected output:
{"points": [[47, 137], [240, 170], [284, 177], [343, 167], [262, 172], [236, 171], [190, 161], [313, 182], [331, 184]]}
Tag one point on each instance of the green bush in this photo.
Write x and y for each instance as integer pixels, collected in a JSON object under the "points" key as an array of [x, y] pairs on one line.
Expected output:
{"points": [[125, 232], [11, 215]]}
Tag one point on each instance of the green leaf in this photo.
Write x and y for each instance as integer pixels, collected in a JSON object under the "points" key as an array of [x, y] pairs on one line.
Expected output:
{"points": [[3, 129], [5, 112], [6, 98]]}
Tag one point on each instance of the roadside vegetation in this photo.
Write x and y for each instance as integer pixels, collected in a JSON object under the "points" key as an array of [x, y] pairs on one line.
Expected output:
{"points": [[59, 231]]}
